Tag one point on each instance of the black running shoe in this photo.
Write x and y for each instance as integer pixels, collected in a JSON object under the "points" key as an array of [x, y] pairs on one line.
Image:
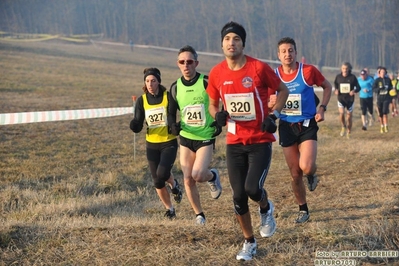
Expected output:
{"points": [[312, 182], [171, 214], [177, 193]]}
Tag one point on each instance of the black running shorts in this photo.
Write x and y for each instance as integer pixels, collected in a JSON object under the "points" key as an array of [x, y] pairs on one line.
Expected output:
{"points": [[291, 133], [194, 145]]}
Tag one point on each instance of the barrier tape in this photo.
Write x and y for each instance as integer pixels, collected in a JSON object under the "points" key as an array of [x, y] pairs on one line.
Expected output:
{"points": [[62, 115], [29, 39]]}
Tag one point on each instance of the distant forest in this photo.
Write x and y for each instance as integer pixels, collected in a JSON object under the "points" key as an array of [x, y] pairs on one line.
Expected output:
{"points": [[327, 32]]}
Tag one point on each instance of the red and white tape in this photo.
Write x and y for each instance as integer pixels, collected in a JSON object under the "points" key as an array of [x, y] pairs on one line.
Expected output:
{"points": [[62, 115]]}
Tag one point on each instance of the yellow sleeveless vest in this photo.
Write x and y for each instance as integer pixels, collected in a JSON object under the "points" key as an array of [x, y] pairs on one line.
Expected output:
{"points": [[157, 122]]}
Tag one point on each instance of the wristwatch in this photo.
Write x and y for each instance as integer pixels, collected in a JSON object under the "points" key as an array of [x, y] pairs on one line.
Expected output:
{"points": [[324, 107]]}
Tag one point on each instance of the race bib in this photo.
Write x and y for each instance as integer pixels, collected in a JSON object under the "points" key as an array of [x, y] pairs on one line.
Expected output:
{"points": [[156, 117], [344, 87], [194, 115], [241, 106], [293, 105]]}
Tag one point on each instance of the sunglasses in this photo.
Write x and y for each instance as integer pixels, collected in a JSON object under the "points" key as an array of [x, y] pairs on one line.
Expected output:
{"points": [[188, 62]]}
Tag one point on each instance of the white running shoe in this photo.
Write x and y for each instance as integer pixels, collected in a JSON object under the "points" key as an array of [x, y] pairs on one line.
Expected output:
{"points": [[199, 220], [247, 252], [267, 222], [303, 217], [215, 186], [371, 120]]}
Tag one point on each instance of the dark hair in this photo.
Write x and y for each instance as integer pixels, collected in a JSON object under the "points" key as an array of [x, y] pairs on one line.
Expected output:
{"points": [[286, 40], [236, 28], [188, 48], [349, 66], [152, 71], [156, 73], [381, 68]]}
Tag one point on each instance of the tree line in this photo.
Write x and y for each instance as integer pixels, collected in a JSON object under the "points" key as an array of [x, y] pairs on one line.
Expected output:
{"points": [[327, 32]]}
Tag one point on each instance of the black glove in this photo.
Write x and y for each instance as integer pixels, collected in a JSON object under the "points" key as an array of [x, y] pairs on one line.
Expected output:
{"points": [[218, 129], [135, 126], [221, 118], [269, 124], [175, 128]]}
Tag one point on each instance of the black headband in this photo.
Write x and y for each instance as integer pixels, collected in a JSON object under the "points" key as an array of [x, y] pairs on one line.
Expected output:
{"points": [[237, 30], [154, 73]]}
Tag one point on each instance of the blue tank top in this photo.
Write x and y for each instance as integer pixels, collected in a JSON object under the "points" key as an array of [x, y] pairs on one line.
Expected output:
{"points": [[300, 104]]}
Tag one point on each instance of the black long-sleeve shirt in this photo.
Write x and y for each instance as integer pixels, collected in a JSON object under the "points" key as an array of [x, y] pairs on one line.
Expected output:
{"points": [[381, 88]]}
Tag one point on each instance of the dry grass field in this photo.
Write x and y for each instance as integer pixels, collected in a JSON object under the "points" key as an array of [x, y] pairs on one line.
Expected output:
{"points": [[72, 193]]}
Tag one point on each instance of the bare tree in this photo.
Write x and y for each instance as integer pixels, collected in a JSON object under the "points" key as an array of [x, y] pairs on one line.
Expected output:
{"points": [[327, 32]]}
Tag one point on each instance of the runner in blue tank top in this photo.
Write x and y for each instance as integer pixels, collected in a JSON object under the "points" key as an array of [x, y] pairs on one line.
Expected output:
{"points": [[298, 120]]}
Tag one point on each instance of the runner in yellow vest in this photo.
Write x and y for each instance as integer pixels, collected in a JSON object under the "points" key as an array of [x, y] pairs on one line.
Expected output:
{"points": [[394, 94], [158, 110]]}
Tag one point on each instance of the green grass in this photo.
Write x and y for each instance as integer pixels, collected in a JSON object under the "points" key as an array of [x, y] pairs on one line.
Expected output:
{"points": [[71, 192]]}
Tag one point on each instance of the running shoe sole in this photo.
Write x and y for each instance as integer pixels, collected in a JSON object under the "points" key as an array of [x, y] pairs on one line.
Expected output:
{"points": [[312, 182], [177, 192], [215, 186]]}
